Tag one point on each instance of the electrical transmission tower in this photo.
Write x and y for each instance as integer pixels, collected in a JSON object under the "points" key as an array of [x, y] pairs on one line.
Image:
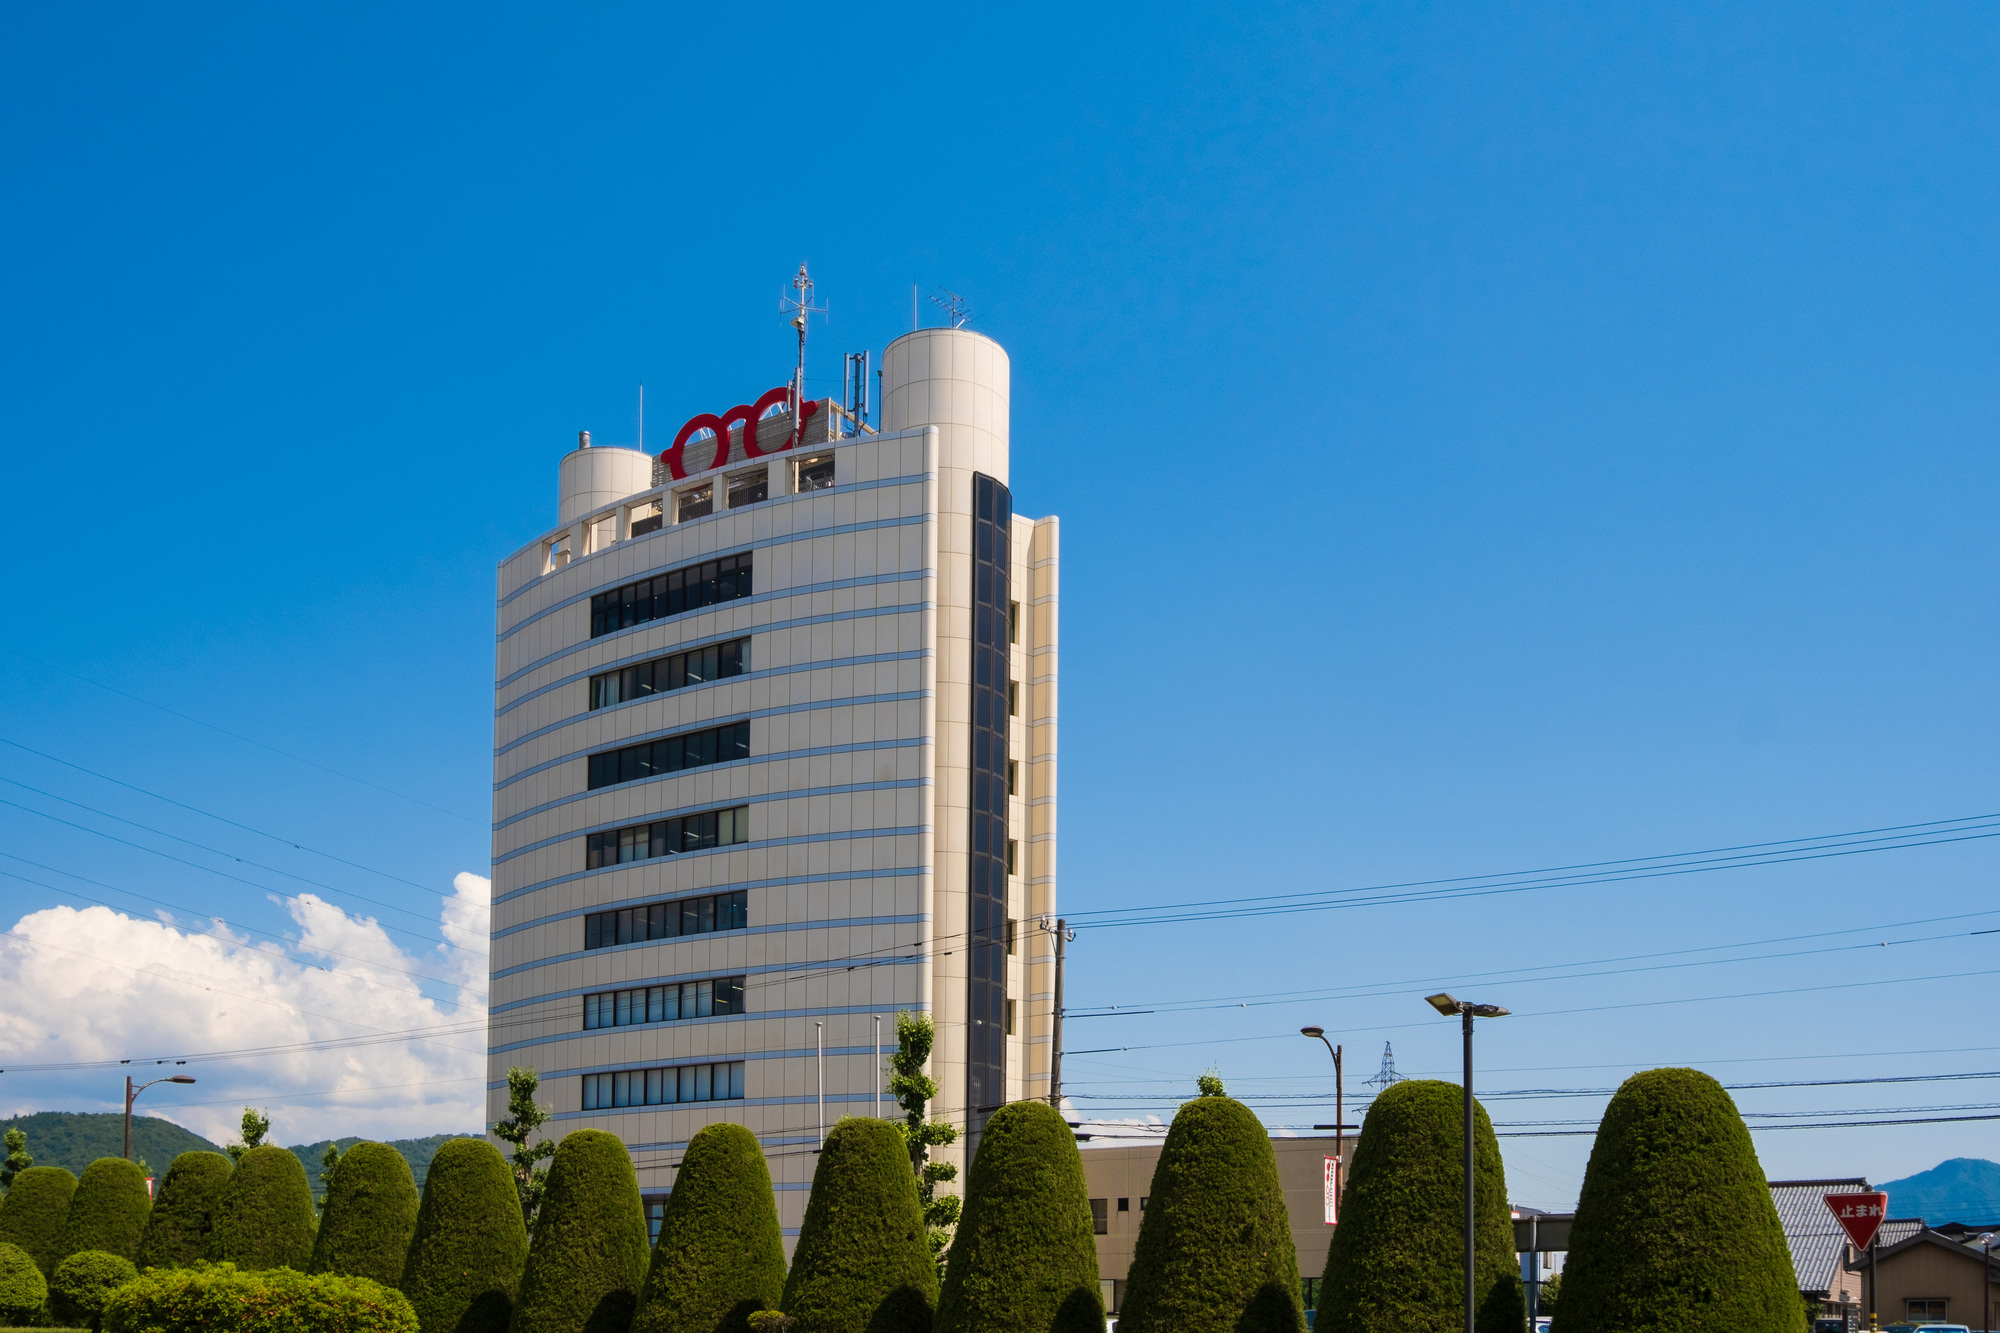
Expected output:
{"points": [[1387, 1073]]}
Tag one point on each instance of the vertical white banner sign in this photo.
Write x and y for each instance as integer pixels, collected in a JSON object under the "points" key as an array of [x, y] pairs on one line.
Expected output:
{"points": [[1332, 1190]]}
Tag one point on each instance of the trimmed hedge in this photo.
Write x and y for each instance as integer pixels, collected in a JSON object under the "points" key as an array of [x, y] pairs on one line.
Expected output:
{"points": [[1397, 1260], [1215, 1246], [587, 1260], [264, 1218], [23, 1289], [108, 1211], [470, 1243], [864, 1256], [219, 1298], [1675, 1228], [371, 1213], [84, 1282], [184, 1211], [1025, 1256], [34, 1213], [721, 1255]]}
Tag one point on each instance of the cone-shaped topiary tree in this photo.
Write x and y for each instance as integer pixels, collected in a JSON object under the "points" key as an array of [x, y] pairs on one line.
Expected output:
{"points": [[1215, 1247], [864, 1257], [371, 1212], [108, 1211], [470, 1243], [264, 1218], [33, 1216], [587, 1260], [1024, 1257], [184, 1211], [1675, 1228], [23, 1289], [1397, 1261], [721, 1256]]}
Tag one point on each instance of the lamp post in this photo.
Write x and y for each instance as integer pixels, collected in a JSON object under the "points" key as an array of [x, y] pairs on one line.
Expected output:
{"points": [[1467, 1011], [132, 1095], [1339, 1116]]}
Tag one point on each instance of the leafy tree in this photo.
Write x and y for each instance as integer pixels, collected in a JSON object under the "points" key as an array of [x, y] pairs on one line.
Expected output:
{"points": [[255, 1126], [23, 1289], [1210, 1085], [1545, 1299], [913, 1089], [1025, 1256], [587, 1260], [863, 1259], [328, 1160], [524, 1116], [721, 1256], [1675, 1228], [465, 1259], [1397, 1260], [36, 1208], [264, 1218], [18, 1158], [1215, 1246], [184, 1211], [108, 1211], [219, 1297], [370, 1214], [83, 1282]]}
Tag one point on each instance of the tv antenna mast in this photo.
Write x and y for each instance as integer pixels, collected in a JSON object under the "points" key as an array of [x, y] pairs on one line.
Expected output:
{"points": [[1387, 1073], [800, 303], [954, 305]]}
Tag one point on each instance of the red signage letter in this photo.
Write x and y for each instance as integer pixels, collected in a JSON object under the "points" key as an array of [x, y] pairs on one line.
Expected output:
{"points": [[748, 415]]}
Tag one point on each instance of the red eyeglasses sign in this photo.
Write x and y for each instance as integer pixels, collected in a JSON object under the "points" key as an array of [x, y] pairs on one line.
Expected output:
{"points": [[1859, 1214], [748, 414]]}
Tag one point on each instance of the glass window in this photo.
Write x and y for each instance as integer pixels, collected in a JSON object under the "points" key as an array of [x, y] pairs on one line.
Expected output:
{"points": [[647, 517], [814, 473], [1011, 845], [1013, 698], [690, 749], [1010, 1032], [749, 488], [1013, 777], [1013, 622], [695, 502], [1100, 1216], [671, 593], [656, 921]]}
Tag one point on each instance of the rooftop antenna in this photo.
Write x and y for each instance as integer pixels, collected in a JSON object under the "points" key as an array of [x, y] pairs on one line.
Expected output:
{"points": [[954, 305], [800, 303], [1387, 1073]]}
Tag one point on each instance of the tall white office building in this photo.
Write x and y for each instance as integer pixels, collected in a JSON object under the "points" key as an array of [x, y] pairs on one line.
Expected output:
{"points": [[775, 756]]}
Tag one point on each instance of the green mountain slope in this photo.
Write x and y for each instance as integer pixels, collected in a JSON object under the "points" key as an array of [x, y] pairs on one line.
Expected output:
{"points": [[1964, 1189], [75, 1139], [417, 1152]]}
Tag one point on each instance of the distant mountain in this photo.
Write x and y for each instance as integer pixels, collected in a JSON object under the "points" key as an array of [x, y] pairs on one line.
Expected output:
{"points": [[75, 1139], [417, 1152], [1964, 1189]]}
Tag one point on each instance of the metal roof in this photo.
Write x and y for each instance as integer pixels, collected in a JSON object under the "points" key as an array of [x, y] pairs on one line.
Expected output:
{"points": [[1818, 1244]]}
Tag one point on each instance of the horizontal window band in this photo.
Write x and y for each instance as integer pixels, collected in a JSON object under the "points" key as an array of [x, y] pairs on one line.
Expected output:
{"points": [[779, 540], [577, 1071], [795, 794], [682, 978], [773, 928], [781, 710], [888, 1016], [746, 548], [768, 673], [785, 881], [807, 1100]]}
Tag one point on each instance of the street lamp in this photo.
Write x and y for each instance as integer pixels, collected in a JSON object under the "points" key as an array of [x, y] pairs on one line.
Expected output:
{"points": [[1339, 1116], [132, 1094], [1467, 1011]]}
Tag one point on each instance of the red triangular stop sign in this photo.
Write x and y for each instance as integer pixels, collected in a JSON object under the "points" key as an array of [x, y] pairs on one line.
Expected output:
{"points": [[1859, 1214]]}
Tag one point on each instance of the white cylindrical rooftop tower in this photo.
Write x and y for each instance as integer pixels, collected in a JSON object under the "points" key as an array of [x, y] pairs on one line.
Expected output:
{"points": [[591, 477], [958, 381]]}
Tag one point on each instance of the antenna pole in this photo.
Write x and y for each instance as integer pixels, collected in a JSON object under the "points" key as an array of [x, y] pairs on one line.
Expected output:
{"points": [[642, 418], [802, 284]]}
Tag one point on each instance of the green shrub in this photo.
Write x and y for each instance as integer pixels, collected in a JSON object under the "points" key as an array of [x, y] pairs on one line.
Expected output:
{"points": [[264, 1218], [83, 1282], [721, 1255], [184, 1211], [108, 1211], [1215, 1245], [587, 1260], [23, 1289], [864, 1257], [470, 1243], [1675, 1228], [371, 1211], [219, 1298], [1397, 1260], [1024, 1257], [34, 1213]]}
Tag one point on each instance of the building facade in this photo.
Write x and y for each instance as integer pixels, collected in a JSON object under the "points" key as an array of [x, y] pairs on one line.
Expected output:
{"points": [[775, 758]]}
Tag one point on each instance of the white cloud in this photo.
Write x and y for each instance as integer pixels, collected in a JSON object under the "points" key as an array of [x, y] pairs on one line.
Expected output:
{"points": [[95, 984]]}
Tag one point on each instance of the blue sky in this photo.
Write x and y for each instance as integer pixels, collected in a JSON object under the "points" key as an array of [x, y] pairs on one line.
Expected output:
{"points": [[1486, 439]]}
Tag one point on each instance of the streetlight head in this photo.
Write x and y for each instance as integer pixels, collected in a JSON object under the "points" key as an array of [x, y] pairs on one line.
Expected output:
{"points": [[1488, 1011], [181, 1078], [1312, 1032], [1441, 1002]]}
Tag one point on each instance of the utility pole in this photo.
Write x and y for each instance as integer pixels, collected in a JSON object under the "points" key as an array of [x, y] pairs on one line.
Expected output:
{"points": [[1062, 933], [875, 1065], [819, 1080], [132, 1095]]}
